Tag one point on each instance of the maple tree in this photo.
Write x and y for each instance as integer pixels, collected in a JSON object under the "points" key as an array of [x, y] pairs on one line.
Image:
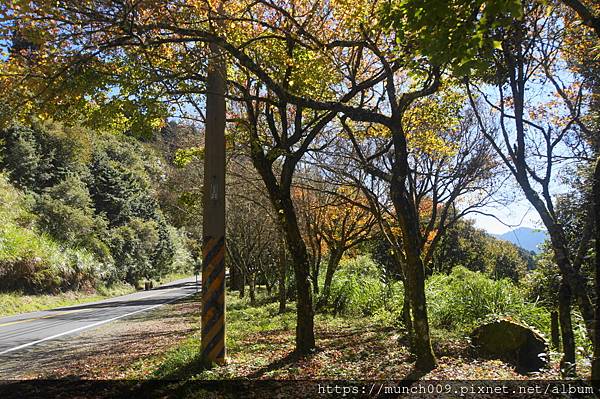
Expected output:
{"points": [[451, 173], [336, 218]]}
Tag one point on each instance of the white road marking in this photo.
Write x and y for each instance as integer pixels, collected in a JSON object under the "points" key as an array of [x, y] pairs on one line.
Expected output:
{"points": [[110, 300], [10, 323], [93, 324]]}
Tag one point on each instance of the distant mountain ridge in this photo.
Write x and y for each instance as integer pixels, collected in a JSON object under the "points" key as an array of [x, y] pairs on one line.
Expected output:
{"points": [[525, 237]]}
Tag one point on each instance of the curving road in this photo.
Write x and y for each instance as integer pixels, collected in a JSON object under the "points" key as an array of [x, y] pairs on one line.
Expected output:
{"points": [[28, 329]]}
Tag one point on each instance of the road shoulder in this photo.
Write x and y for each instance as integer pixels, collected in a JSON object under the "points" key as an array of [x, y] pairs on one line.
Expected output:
{"points": [[105, 353]]}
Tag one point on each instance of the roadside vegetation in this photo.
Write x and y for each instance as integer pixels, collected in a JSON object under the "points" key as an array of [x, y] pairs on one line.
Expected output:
{"points": [[16, 302], [80, 218], [360, 336], [366, 141]]}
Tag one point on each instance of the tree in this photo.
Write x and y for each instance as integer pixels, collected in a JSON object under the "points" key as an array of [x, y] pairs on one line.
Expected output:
{"points": [[178, 193], [587, 14], [270, 138], [312, 217], [579, 55], [369, 76], [40, 154], [487, 28], [337, 218], [449, 173], [252, 228], [523, 46], [474, 249]]}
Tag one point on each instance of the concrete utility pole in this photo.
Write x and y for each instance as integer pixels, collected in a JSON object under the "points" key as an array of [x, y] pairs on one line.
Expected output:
{"points": [[213, 251]]}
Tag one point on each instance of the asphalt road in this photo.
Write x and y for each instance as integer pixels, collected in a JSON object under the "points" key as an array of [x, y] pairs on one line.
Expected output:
{"points": [[28, 329]]}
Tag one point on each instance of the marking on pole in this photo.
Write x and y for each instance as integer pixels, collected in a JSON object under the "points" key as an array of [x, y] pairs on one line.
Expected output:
{"points": [[213, 301]]}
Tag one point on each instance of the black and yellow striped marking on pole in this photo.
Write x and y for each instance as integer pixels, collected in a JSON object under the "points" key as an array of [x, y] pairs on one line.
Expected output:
{"points": [[213, 301]]}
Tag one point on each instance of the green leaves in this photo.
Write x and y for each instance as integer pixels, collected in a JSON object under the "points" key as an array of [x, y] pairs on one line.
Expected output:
{"points": [[185, 156], [458, 33]]}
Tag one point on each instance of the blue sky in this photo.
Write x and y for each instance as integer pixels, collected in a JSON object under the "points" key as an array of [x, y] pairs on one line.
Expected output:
{"points": [[517, 214]]}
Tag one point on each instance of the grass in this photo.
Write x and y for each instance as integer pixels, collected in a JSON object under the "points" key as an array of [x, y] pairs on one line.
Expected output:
{"points": [[260, 345], [242, 321], [15, 302]]}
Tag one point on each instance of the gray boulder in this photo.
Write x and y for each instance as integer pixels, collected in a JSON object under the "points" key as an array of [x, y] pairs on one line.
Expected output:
{"points": [[513, 342]]}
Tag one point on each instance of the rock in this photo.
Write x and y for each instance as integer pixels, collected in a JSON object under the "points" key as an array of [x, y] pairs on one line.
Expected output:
{"points": [[513, 342]]}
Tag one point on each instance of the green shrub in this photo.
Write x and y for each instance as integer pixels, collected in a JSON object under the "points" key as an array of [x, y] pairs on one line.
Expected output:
{"points": [[357, 288], [457, 302], [132, 245], [164, 251], [32, 261], [463, 298], [118, 192], [65, 212], [90, 196], [44, 153], [465, 245]]}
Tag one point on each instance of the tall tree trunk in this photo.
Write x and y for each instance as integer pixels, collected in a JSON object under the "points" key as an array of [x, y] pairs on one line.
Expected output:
{"points": [[408, 218], [281, 279], [406, 317], [252, 287], [567, 363], [335, 256], [560, 248], [415, 283], [554, 330], [305, 334], [421, 338], [315, 276], [305, 328], [242, 285], [233, 278], [596, 200], [542, 205], [280, 196]]}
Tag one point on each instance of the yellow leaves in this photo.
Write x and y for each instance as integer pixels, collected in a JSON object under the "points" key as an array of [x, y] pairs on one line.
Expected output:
{"points": [[428, 142], [396, 231], [156, 123], [432, 124], [351, 14], [339, 214], [362, 132], [185, 156]]}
